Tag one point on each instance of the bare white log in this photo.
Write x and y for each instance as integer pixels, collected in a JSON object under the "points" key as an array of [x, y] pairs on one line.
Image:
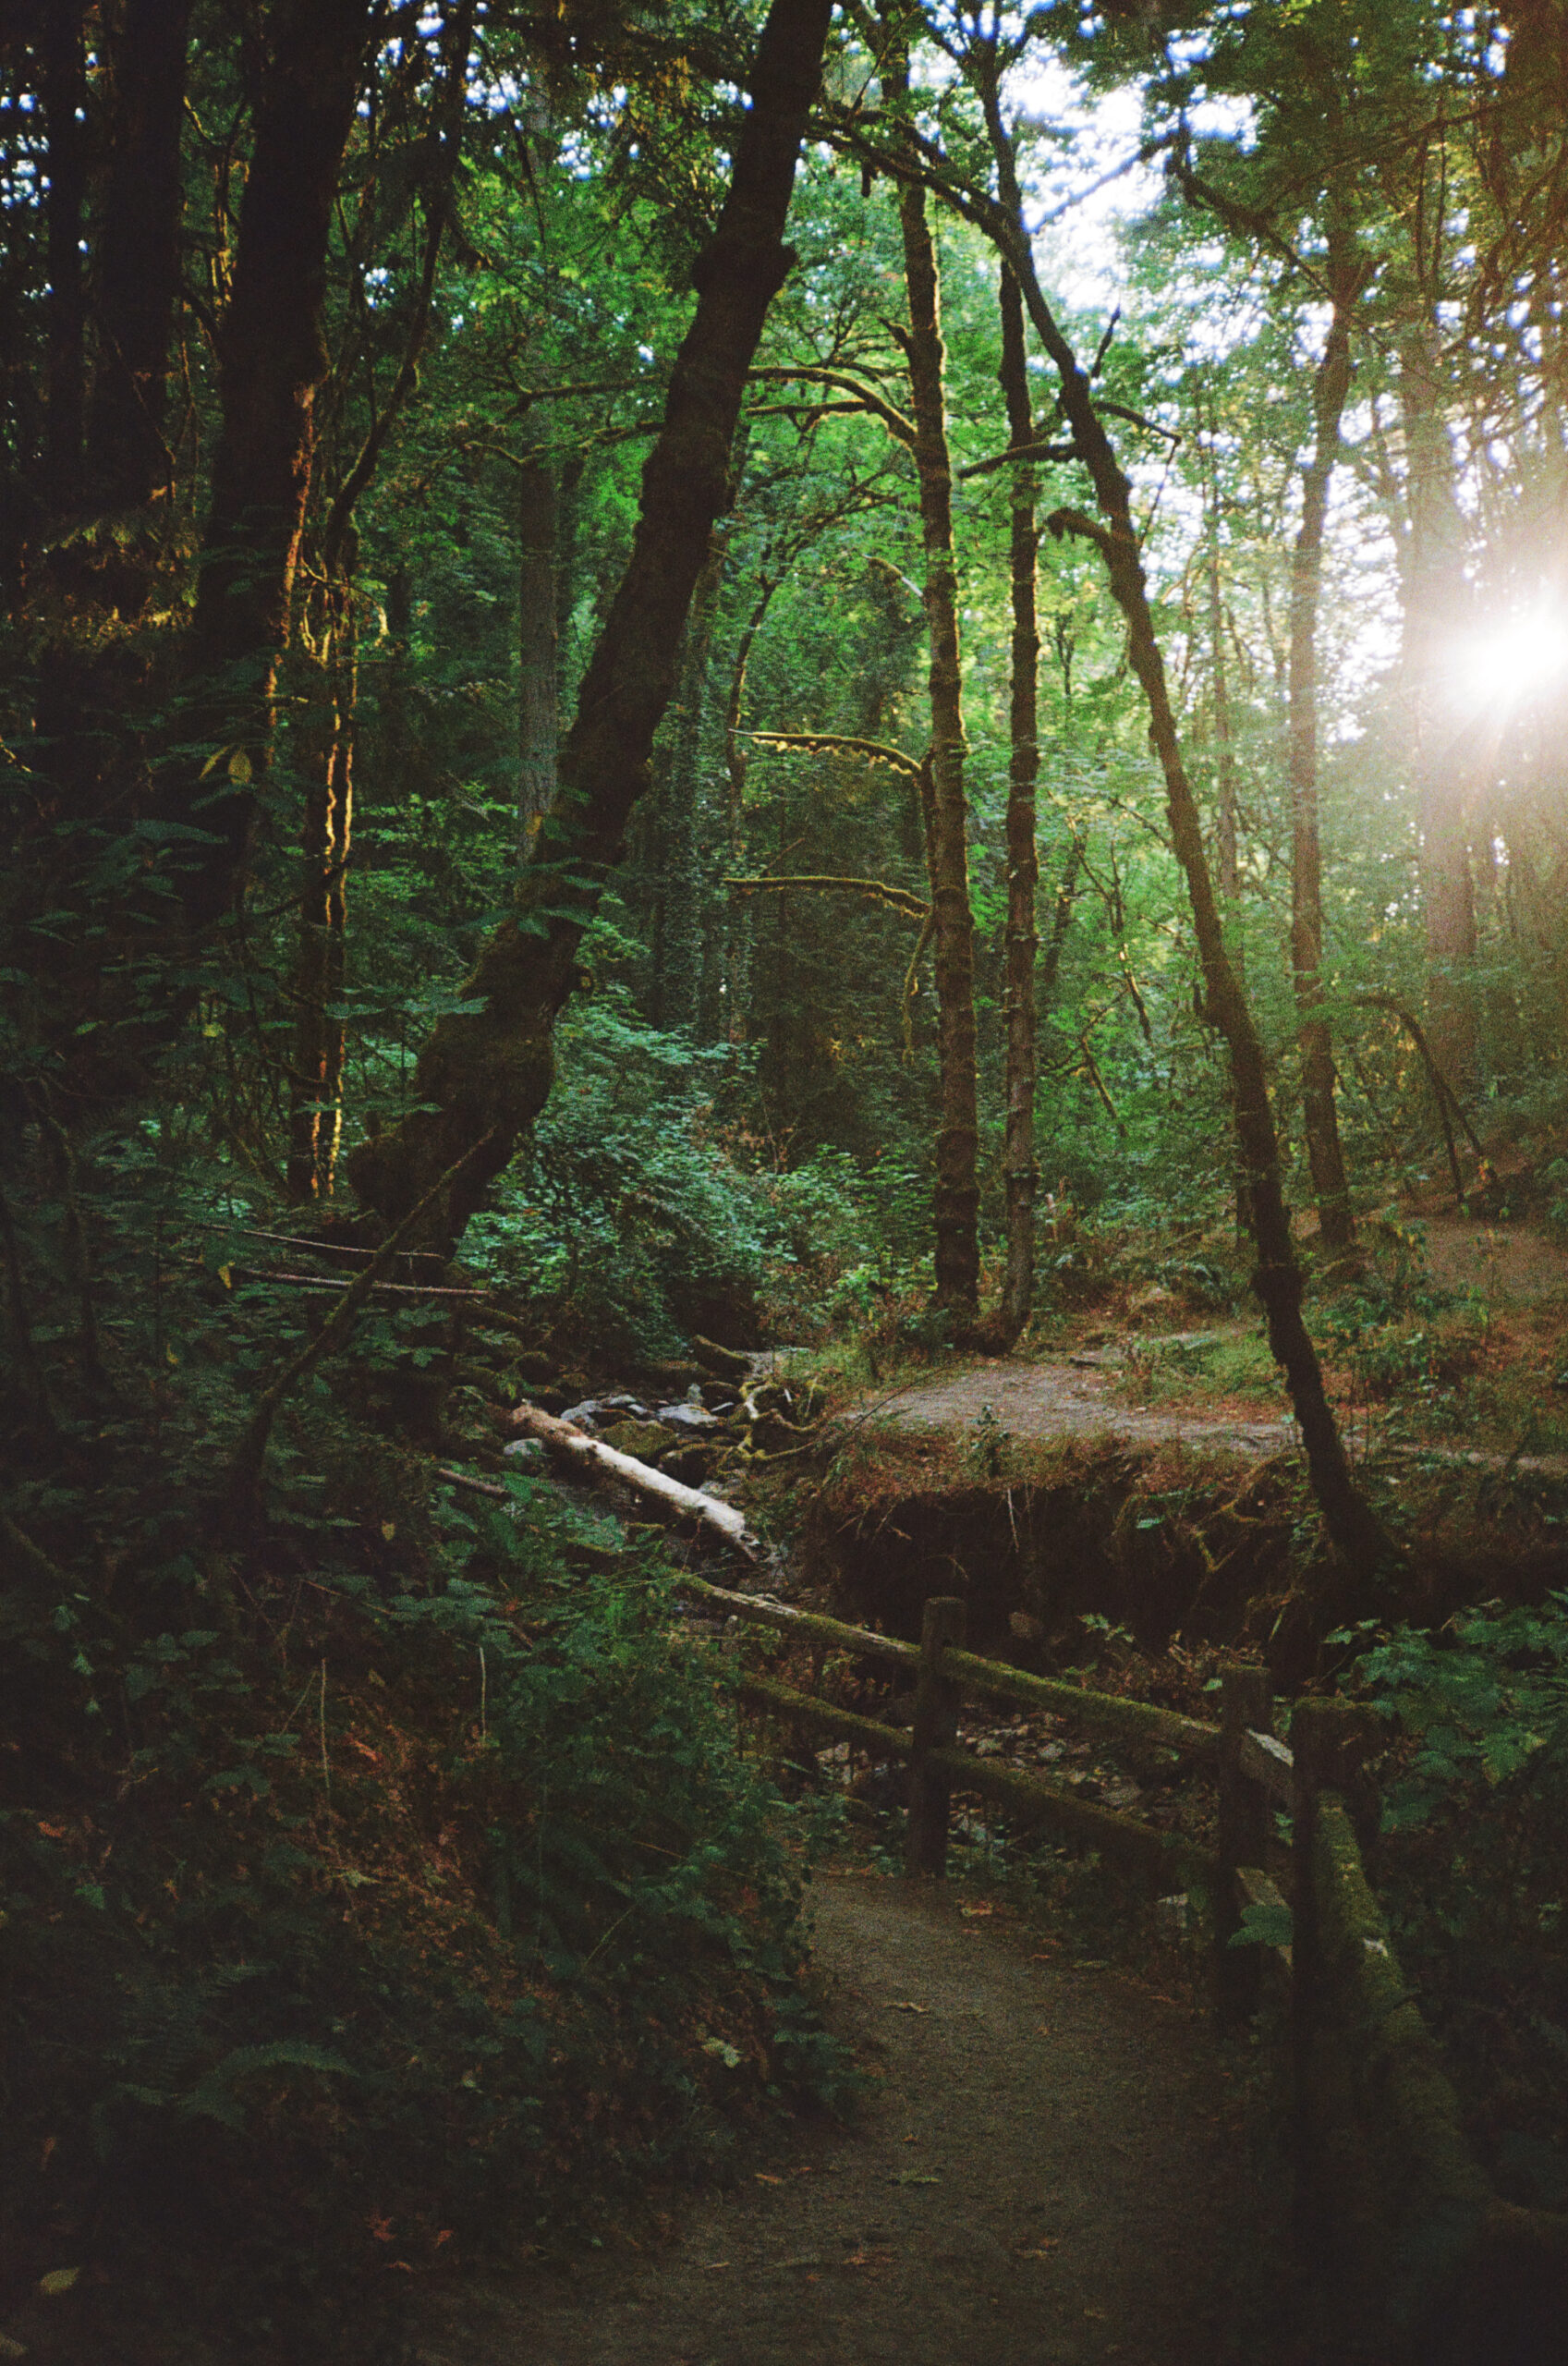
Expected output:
{"points": [[574, 1446]]}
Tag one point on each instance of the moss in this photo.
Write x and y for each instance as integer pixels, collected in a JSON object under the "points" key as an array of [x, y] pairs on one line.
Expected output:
{"points": [[1434, 2196]]}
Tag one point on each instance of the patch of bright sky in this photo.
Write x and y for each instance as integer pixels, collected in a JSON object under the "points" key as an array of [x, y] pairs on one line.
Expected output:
{"points": [[1085, 184]]}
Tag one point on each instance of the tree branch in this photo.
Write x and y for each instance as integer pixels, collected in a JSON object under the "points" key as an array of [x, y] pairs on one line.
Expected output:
{"points": [[837, 743], [899, 900]]}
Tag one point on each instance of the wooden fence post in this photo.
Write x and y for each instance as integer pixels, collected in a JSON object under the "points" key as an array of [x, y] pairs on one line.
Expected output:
{"points": [[1328, 1740], [1247, 1704], [936, 1721]]}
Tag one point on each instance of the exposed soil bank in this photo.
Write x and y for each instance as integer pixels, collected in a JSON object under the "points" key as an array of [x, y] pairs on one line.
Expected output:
{"points": [[1159, 1541], [1052, 2169]]}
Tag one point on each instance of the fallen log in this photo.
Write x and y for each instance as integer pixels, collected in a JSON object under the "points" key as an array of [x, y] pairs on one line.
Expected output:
{"points": [[575, 1446]]}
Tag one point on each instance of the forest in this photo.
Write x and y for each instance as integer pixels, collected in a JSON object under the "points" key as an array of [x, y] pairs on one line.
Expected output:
{"points": [[710, 709]]}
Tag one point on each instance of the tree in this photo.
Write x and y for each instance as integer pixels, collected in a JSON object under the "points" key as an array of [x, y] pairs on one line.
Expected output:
{"points": [[486, 1073]]}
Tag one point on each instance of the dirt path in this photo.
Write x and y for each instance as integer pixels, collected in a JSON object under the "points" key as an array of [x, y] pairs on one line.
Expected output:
{"points": [[1511, 1265], [1073, 1400], [1052, 2169]]}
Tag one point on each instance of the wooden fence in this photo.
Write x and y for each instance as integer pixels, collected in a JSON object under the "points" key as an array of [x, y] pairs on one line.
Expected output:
{"points": [[1385, 2182]]}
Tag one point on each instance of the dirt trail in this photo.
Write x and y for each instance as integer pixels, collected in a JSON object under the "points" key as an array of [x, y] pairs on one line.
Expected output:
{"points": [[1052, 2169], [1511, 1265], [1071, 1400]]}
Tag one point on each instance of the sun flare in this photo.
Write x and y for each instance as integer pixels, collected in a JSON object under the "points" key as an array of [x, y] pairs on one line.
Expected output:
{"points": [[1523, 659]]}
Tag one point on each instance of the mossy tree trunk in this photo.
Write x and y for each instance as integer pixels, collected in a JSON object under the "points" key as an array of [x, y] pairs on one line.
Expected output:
{"points": [[316, 1082], [273, 360], [484, 1075], [1023, 853]]}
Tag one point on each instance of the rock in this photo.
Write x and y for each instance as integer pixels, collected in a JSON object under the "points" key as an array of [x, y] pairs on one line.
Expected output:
{"points": [[645, 1441], [687, 1416], [595, 1412], [528, 1451], [668, 1379], [729, 1363]]}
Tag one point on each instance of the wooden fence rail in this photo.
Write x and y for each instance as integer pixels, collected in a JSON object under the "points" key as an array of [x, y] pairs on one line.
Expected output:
{"points": [[1385, 2180]]}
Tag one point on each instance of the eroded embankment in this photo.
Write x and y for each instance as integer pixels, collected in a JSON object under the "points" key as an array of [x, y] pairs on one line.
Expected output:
{"points": [[1155, 1539], [1028, 1491]]}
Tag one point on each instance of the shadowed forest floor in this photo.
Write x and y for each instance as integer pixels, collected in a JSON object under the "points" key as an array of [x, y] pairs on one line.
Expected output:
{"points": [[1055, 2166]]}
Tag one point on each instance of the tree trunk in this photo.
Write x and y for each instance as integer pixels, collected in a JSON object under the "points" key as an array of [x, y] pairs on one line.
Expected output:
{"points": [[1023, 854], [1436, 612], [272, 361], [957, 1194], [484, 1076], [139, 249], [738, 928], [316, 1113], [1224, 763], [1330, 387], [99, 679], [62, 89], [537, 688], [682, 936], [1349, 1520], [1060, 921]]}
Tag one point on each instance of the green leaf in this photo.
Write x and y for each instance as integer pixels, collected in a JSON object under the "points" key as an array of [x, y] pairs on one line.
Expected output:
{"points": [[1265, 1922]]}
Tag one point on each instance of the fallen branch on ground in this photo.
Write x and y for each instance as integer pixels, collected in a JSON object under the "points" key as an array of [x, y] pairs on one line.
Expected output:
{"points": [[574, 1446]]}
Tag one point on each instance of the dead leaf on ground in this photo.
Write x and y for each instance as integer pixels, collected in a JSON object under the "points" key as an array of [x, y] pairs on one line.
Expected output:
{"points": [[913, 2176], [973, 1910], [905, 2006]]}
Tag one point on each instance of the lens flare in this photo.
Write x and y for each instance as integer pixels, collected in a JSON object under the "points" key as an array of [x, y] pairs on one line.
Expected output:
{"points": [[1525, 659]]}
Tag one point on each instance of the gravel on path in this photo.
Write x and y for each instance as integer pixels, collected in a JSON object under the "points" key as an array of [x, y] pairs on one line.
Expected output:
{"points": [[1051, 2170]]}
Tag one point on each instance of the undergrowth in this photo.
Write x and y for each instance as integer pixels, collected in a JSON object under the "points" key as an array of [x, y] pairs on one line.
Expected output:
{"points": [[380, 1883]]}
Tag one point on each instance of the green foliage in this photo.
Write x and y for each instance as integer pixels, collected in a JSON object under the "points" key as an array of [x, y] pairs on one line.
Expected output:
{"points": [[638, 1216], [446, 1929], [1484, 1704], [1473, 1864], [1266, 1922]]}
